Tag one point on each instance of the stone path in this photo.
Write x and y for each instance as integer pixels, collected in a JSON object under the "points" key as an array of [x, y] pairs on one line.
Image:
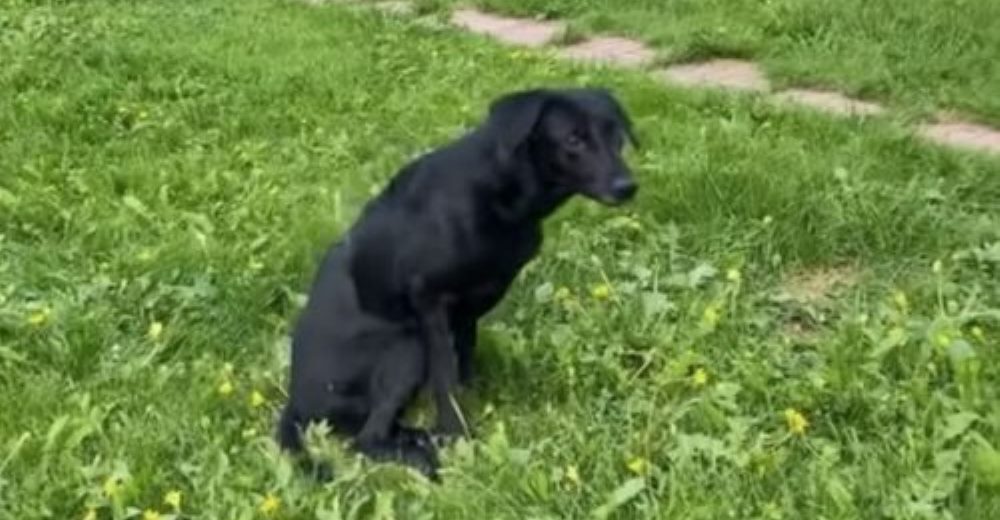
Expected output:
{"points": [[718, 73], [724, 74]]}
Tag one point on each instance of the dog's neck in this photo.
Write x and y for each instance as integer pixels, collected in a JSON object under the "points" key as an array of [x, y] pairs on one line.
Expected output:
{"points": [[524, 196]]}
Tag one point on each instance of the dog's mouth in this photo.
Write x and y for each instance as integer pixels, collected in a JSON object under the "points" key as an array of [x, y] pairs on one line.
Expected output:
{"points": [[615, 196]]}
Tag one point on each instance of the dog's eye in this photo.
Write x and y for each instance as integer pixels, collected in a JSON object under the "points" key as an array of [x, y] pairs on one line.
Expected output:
{"points": [[574, 141]]}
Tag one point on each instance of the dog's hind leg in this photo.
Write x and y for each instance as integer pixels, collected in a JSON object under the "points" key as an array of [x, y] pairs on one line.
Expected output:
{"points": [[290, 430], [289, 433], [393, 384]]}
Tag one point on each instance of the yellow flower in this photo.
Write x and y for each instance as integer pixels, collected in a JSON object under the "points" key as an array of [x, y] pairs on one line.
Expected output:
{"points": [[699, 378], [145, 255], [797, 423], [155, 330], [601, 292], [39, 317], [91, 514], [227, 369], [149, 514], [638, 465], [226, 388], [270, 504], [942, 339], [899, 297], [977, 333], [112, 487], [733, 275], [573, 475], [173, 499], [710, 317], [257, 399]]}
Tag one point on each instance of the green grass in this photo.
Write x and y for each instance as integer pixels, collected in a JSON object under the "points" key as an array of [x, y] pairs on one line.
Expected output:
{"points": [[186, 163], [919, 55]]}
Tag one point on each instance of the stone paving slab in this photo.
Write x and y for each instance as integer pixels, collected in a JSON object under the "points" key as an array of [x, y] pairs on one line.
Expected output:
{"points": [[610, 50], [829, 102], [718, 73], [516, 31], [395, 7], [959, 134]]}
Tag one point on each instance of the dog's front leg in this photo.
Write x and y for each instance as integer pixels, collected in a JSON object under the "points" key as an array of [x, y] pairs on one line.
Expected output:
{"points": [[442, 364], [464, 328]]}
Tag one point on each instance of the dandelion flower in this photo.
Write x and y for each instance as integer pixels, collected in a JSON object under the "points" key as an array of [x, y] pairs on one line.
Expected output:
{"points": [[899, 297], [699, 378], [270, 505], [638, 465], [226, 388], [733, 275], [977, 332], [173, 499], [39, 317], [942, 339], [257, 399], [155, 330], [111, 487], [573, 475], [710, 316], [797, 423], [601, 292], [150, 514]]}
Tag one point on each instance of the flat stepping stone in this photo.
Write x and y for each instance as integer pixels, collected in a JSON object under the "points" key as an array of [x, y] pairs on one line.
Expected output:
{"points": [[610, 50], [959, 134], [516, 31], [720, 73], [396, 8], [829, 102]]}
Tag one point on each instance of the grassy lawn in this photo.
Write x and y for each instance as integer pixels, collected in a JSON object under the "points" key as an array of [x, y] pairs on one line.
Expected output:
{"points": [[917, 55], [170, 173]]}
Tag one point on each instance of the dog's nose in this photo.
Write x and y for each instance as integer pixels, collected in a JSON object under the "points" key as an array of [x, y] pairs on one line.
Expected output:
{"points": [[623, 189]]}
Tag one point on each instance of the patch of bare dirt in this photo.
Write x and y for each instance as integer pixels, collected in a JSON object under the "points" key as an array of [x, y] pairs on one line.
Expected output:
{"points": [[818, 285]]}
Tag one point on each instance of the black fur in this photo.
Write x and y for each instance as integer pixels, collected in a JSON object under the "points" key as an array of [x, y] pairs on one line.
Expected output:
{"points": [[395, 303]]}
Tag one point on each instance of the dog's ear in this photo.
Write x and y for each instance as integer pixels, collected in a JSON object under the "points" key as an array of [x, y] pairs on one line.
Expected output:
{"points": [[606, 103], [513, 117]]}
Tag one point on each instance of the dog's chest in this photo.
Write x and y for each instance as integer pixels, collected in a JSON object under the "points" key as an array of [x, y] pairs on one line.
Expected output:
{"points": [[499, 260]]}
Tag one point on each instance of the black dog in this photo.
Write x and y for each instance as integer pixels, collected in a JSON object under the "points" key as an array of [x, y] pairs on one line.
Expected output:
{"points": [[396, 301]]}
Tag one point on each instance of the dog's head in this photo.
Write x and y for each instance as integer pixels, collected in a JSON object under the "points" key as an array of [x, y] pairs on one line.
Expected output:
{"points": [[576, 134]]}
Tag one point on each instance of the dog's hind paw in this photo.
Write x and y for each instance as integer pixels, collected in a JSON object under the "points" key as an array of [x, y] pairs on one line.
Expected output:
{"points": [[320, 471], [443, 440]]}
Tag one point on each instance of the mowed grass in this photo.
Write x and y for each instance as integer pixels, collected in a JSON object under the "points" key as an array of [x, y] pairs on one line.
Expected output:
{"points": [[170, 174], [918, 56]]}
